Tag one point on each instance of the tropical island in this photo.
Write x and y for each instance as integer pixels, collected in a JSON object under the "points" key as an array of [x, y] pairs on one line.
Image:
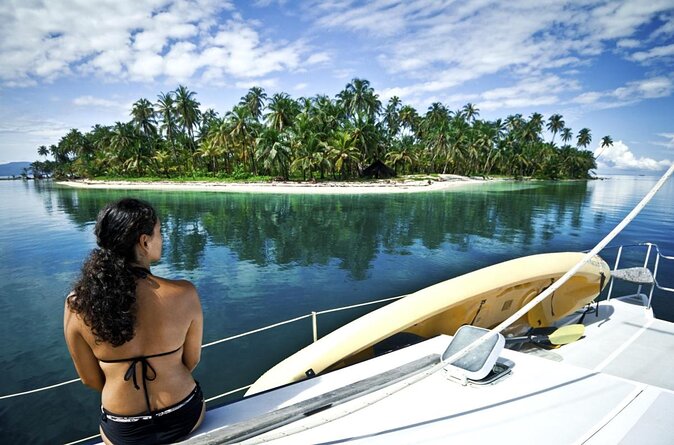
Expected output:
{"points": [[344, 139]]}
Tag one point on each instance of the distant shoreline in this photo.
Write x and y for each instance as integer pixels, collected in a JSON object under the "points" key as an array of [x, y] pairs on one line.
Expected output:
{"points": [[379, 186]]}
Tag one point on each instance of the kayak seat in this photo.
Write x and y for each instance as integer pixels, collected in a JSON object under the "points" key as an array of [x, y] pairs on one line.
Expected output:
{"points": [[397, 341]]}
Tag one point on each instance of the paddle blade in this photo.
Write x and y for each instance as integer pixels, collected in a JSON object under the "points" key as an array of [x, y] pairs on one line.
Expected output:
{"points": [[566, 334]]}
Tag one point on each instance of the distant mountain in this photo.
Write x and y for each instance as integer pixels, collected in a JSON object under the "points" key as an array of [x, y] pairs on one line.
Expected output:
{"points": [[13, 168]]}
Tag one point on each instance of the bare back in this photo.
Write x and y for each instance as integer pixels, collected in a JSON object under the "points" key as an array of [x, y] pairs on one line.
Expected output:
{"points": [[168, 318]]}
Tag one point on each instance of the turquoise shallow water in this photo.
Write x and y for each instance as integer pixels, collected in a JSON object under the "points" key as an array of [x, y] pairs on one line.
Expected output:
{"points": [[261, 259]]}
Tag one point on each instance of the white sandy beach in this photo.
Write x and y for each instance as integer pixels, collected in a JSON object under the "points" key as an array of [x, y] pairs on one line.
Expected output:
{"points": [[442, 182]]}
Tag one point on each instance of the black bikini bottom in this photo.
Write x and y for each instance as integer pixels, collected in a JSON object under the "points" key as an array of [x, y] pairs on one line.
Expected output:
{"points": [[167, 425]]}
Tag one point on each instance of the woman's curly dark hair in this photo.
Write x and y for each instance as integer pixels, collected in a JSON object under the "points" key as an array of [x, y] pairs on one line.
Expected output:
{"points": [[105, 294]]}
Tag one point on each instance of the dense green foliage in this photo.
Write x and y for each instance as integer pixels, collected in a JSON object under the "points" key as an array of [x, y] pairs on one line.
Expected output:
{"points": [[279, 136]]}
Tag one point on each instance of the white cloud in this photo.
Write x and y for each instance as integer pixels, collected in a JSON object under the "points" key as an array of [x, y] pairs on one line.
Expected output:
{"points": [[653, 53], [620, 19], [263, 83], [666, 29], [651, 88], [628, 43], [447, 43], [141, 40], [318, 58], [669, 143], [97, 102], [620, 157], [528, 92]]}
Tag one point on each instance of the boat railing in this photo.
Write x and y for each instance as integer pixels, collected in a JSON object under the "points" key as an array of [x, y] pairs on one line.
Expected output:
{"points": [[648, 277], [650, 247], [314, 326]]}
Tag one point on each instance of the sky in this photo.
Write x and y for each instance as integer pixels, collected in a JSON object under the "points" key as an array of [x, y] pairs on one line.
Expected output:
{"points": [[603, 64]]}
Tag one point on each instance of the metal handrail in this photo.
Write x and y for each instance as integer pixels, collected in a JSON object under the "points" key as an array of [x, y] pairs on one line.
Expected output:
{"points": [[658, 255]]}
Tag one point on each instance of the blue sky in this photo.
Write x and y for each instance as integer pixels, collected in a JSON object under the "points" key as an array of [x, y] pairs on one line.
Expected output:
{"points": [[604, 64]]}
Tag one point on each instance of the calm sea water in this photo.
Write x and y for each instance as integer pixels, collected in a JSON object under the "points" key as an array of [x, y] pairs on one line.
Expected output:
{"points": [[261, 259]]}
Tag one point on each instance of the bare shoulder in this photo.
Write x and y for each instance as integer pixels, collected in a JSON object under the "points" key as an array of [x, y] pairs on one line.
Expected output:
{"points": [[71, 320], [179, 289], [68, 312]]}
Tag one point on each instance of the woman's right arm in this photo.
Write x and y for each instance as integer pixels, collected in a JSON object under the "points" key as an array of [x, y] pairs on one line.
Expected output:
{"points": [[193, 339]]}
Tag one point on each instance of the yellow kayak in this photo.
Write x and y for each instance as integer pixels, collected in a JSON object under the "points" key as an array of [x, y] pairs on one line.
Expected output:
{"points": [[482, 298]]}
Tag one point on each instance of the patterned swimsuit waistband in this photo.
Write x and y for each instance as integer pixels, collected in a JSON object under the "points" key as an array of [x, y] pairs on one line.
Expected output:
{"points": [[161, 412]]}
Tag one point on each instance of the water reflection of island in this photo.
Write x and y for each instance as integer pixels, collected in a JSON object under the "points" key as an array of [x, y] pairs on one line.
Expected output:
{"points": [[352, 229]]}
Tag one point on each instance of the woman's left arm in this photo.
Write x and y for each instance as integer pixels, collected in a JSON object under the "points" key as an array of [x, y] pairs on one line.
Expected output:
{"points": [[85, 361]]}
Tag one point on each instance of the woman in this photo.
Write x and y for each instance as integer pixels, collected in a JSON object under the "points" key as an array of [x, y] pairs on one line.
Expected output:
{"points": [[134, 336]]}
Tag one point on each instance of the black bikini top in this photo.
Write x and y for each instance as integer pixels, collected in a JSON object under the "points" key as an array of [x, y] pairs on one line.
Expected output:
{"points": [[145, 367]]}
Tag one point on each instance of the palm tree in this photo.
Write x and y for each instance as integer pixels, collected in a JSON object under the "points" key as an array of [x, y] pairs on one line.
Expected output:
{"points": [[343, 152], [584, 138], [211, 151], [166, 109], [122, 142], [254, 101], [282, 111], [606, 142], [187, 109], [241, 131], [273, 148], [567, 135], [143, 116], [409, 119], [403, 154], [470, 111], [392, 117], [360, 100], [219, 135], [555, 124]]}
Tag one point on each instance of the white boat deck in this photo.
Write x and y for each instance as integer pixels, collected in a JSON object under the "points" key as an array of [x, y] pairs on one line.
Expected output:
{"points": [[607, 388], [625, 340]]}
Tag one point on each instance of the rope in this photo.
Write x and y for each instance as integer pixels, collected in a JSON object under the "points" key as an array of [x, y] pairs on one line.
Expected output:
{"points": [[556, 285], [83, 440], [254, 331], [207, 400], [396, 387], [359, 305], [9, 396], [503, 325], [226, 339], [228, 393]]}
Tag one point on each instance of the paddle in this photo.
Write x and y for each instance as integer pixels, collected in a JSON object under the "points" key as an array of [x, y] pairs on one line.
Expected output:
{"points": [[561, 336]]}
